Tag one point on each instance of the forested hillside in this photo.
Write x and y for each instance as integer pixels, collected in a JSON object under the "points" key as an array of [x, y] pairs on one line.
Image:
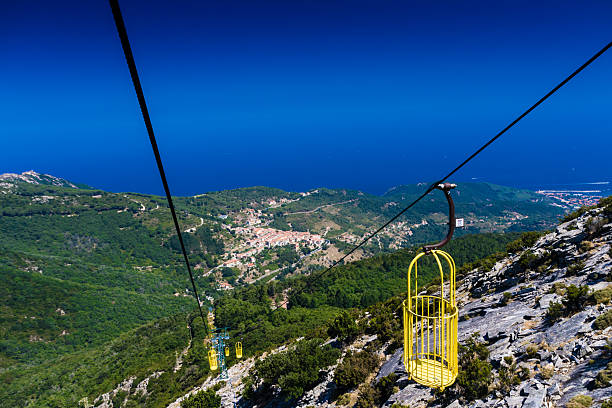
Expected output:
{"points": [[251, 314], [84, 267]]}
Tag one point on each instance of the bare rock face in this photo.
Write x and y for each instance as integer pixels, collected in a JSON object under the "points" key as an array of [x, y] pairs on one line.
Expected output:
{"points": [[32, 177], [564, 357]]}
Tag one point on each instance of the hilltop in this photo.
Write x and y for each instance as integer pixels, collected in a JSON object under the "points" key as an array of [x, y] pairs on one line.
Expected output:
{"points": [[32, 177]]}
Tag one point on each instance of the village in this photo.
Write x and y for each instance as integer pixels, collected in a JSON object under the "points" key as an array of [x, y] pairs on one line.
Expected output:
{"points": [[573, 198], [254, 236]]}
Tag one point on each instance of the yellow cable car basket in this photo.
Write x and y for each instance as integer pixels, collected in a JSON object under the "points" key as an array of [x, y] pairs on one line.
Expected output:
{"points": [[212, 359], [239, 349], [430, 321], [227, 351], [430, 328]]}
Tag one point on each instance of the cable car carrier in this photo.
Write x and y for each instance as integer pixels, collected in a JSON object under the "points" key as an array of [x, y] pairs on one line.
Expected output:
{"points": [[430, 321]]}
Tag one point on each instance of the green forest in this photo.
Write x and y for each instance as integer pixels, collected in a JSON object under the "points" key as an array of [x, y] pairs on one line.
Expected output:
{"points": [[96, 290]]}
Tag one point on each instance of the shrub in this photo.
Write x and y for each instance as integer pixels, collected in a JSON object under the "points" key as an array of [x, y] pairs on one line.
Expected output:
{"points": [[586, 246], [555, 312], [607, 403], [526, 240], [604, 377], [576, 214], [527, 260], [574, 268], [385, 387], [603, 295], [531, 350], [367, 397], [594, 224], [474, 375], [355, 368], [580, 401], [373, 396], [547, 372], [203, 399], [603, 321], [509, 375], [559, 288], [505, 298], [343, 326], [344, 399], [576, 298], [295, 371]]}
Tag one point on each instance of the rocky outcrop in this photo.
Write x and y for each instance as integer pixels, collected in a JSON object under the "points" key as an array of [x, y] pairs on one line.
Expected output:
{"points": [[32, 177], [563, 357]]}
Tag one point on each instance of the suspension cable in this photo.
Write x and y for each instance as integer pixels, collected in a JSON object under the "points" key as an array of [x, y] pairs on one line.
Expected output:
{"points": [[129, 57]]}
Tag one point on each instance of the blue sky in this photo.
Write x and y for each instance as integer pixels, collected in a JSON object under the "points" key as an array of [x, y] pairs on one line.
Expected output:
{"points": [[301, 94]]}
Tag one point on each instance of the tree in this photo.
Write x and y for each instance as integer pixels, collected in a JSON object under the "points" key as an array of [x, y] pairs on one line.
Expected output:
{"points": [[203, 399], [355, 368], [295, 371], [343, 327]]}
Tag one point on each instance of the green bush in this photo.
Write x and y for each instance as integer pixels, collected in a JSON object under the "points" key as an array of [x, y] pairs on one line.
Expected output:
{"points": [[531, 350], [604, 377], [355, 368], [202, 399], [547, 372], [527, 260], [603, 321], [559, 288], [526, 240], [509, 375], [507, 296], [575, 300], [295, 371], [580, 401], [603, 295], [343, 327], [367, 397], [474, 375], [371, 396], [343, 399], [607, 403], [574, 268], [555, 312], [385, 387], [575, 214]]}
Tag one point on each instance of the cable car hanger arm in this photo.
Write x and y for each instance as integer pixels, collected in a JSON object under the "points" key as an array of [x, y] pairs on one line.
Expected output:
{"points": [[445, 188]]}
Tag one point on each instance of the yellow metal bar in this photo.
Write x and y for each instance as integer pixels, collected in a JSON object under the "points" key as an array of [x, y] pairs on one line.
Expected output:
{"points": [[428, 340]]}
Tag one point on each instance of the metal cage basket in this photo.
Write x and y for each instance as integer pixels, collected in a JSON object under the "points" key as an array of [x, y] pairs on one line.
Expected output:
{"points": [[430, 327]]}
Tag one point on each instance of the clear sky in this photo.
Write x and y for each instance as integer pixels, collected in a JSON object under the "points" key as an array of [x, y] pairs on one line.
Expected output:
{"points": [[301, 94]]}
